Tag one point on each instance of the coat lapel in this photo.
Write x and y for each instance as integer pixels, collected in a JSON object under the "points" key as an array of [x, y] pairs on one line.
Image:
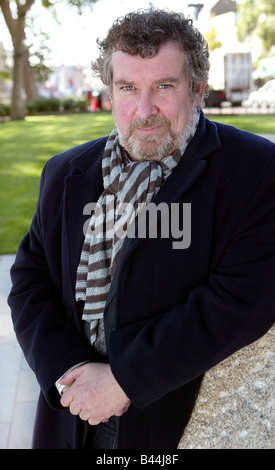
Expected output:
{"points": [[83, 187], [193, 164]]}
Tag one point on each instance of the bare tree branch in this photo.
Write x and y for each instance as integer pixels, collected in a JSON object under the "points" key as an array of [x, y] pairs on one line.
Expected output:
{"points": [[10, 21], [23, 9]]}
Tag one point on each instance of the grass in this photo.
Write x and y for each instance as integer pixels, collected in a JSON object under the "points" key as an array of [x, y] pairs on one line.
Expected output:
{"points": [[258, 124], [25, 146]]}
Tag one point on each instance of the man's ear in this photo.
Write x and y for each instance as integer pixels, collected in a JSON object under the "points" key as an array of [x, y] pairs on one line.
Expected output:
{"points": [[199, 93]]}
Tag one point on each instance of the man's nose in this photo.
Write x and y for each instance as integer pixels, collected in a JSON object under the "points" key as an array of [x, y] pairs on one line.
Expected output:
{"points": [[146, 106]]}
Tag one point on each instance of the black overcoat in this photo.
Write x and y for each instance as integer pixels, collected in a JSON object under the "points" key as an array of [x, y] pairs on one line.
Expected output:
{"points": [[171, 313]]}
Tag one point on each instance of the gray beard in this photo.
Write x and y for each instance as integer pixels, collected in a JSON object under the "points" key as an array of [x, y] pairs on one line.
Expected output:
{"points": [[155, 148]]}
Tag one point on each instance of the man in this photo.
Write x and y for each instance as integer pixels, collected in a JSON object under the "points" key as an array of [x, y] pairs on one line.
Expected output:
{"points": [[124, 327]]}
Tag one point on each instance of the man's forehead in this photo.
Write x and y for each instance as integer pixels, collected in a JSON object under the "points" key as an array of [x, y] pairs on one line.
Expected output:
{"points": [[168, 61], [168, 47]]}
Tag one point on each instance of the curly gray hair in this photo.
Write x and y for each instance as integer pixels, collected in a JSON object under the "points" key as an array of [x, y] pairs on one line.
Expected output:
{"points": [[143, 32]]}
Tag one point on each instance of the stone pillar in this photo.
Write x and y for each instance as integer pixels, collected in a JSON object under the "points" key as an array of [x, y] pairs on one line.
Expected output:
{"points": [[235, 408]]}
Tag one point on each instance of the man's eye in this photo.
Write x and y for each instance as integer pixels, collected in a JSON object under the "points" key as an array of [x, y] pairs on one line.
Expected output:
{"points": [[128, 88], [165, 86]]}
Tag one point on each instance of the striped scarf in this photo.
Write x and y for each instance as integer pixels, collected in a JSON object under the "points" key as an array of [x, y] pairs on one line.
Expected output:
{"points": [[127, 185]]}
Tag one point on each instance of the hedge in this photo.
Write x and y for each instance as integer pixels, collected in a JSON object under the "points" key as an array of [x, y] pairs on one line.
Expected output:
{"points": [[46, 105]]}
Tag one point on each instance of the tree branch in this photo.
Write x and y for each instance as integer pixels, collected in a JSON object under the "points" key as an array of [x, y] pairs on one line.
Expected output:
{"points": [[23, 9], [10, 21]]}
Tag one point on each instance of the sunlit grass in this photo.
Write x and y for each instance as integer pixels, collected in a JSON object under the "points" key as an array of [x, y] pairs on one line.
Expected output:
{"points": [[258, 124], [25, 146]]}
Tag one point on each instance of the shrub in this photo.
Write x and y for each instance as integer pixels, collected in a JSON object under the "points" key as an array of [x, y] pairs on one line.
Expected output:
{"points": [[43, 105], [72, 104], [5, 109]]}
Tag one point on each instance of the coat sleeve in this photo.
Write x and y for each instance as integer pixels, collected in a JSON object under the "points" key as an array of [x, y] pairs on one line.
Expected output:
{"points": [[43, 325], [236, 306]]}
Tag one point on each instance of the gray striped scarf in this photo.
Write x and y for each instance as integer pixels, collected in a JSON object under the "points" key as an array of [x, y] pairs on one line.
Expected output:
{"points": [[127, 184]]}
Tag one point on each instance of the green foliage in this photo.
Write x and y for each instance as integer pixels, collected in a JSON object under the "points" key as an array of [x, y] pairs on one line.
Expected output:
{"points": [[72, 104], [46, 105], [212, 38], [257, 17], [36, 44], [79, 4], [43, 105], [50, 105], [5, 109]]}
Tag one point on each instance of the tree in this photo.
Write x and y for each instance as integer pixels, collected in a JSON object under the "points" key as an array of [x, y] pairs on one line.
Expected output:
{"points": [[211, 37], [38, 52], [15, 13], [257, 17], [16, 28]]}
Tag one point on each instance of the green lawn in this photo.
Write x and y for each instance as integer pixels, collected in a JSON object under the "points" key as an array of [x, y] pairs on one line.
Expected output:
{"points": [[25, 146], [258, 124]]}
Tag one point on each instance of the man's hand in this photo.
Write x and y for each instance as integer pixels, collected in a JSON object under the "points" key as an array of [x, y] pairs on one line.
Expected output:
{"points": [[93, 393]]}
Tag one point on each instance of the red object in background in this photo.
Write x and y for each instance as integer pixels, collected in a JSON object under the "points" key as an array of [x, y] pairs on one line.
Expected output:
{"points": [[94, 104]]}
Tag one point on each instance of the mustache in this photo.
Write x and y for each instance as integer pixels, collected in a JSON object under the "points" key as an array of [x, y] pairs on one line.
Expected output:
{"points": [[152, 121]]}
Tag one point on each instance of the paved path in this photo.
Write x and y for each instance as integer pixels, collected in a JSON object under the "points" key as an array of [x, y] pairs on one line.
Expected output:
{"points": [[19, 389], [270, 137]]}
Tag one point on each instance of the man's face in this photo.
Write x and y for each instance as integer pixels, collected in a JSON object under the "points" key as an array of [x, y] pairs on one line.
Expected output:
{"points": [[151, 102]]}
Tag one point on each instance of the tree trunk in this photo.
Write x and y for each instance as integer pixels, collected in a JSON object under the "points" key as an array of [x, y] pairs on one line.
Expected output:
{"points": [[18, 110], [17, 31], [29, 80]]}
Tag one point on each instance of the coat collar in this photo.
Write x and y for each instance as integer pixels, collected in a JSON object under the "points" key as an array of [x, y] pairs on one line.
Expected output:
{"points": [[88, 158], [85, 185], [192, 165]]}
